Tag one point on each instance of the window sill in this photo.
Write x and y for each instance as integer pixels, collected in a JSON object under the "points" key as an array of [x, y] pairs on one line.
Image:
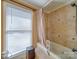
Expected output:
{"points": [[23, 51]]}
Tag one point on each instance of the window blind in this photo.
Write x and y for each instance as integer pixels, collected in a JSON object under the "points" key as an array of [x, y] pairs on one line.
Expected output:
{"points": [[18, 29]]}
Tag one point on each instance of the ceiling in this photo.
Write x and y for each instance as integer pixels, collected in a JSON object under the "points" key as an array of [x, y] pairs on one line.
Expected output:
{"points": [[55, 4], [34, 3], [37, 3], [47, 5]]}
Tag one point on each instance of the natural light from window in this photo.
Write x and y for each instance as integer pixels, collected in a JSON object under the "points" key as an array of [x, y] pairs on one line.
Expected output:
{"points": [[18, 29]]}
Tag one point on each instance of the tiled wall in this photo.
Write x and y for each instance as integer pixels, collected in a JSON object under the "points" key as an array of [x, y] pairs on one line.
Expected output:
{"points": [[61, 26]]}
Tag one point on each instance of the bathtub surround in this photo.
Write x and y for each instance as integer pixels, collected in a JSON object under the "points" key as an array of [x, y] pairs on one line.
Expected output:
{"points": [[61, 26], [60, 29]]}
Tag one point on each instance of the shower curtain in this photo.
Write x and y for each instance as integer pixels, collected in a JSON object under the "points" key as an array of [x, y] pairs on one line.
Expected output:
{"points": [[41, 26]]}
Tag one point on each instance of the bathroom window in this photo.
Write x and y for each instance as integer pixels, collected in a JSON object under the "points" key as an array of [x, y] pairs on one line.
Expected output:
{"points": [[18, 29]]}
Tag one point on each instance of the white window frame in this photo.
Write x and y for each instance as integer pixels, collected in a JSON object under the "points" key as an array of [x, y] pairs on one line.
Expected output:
{"points": [[5, 4]]}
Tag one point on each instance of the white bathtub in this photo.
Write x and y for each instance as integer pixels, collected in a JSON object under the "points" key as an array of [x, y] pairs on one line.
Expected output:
{"points": [[56, 52], [41, 53]]}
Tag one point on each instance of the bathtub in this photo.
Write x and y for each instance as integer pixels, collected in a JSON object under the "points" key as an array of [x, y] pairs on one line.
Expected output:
{"points": [[41, 53], [63, 52], [56, 52]]}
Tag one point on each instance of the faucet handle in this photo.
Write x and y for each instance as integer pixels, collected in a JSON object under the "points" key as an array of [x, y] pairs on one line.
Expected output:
{"points": [[74, 50]]}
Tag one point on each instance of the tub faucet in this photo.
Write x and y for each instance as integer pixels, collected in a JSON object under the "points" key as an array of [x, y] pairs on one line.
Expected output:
{"points": [[74, 50]]}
